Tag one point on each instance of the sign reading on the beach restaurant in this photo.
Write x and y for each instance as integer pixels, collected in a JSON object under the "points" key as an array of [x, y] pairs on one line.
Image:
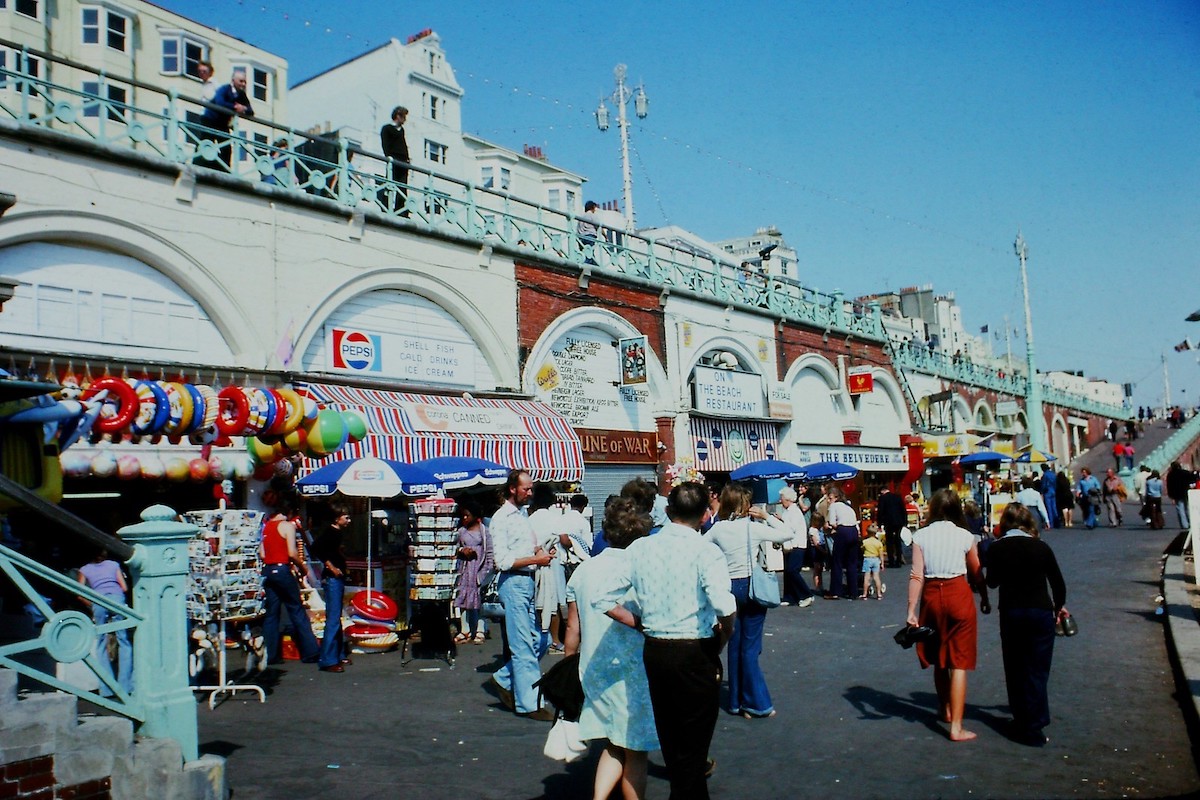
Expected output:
{"points": [[728, 393], [581, 378]]}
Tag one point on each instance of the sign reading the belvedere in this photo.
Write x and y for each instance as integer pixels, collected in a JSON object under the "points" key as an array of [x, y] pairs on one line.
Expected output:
{"points": [[727, 393]]}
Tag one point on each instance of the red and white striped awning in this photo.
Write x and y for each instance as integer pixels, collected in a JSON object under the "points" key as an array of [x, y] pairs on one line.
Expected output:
{"points": [[410, 427], [723, 445]]}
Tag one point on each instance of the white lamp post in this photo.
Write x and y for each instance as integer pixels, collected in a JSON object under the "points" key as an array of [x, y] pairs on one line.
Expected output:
{"points": [[1033, 399], [641, 107]]}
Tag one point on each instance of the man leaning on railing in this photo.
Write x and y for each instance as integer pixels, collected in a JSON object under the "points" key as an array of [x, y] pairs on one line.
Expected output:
{"points": [[216, 123]]}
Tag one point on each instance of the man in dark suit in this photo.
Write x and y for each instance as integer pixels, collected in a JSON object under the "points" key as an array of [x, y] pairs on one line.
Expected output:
{"points": [[395, 147], [217, 122], [891, 515]]}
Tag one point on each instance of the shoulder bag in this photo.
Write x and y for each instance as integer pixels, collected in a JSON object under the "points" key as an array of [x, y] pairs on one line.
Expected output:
{"points": [[764, 586]]}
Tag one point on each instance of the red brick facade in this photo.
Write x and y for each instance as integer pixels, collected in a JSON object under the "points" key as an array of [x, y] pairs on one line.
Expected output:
{"points": [[33, 779]]}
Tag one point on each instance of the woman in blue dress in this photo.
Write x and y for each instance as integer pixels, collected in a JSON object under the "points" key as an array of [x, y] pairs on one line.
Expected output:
{"points": [[610, 662]]}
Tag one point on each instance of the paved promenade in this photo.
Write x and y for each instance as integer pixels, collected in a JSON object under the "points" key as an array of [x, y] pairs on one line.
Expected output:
{"points": [[856, 713]]}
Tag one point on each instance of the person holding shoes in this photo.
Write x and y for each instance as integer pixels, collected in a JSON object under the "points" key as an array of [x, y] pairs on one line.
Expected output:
{"points": [[329, 551], [945, 565], [1033, 597]]}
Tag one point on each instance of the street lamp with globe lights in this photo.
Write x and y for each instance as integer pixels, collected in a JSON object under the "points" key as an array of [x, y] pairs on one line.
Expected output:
{"points": [[641, 106]]}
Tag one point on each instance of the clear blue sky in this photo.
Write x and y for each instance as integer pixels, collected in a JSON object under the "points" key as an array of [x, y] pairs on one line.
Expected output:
{"points": [[894, 144]]}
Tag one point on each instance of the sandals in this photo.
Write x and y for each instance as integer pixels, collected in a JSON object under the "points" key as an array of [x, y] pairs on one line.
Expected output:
{"points": [[480, 638], [462, 638]]}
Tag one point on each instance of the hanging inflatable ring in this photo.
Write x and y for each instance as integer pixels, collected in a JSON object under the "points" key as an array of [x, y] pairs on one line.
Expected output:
{"points": [[233, 409], [281, 412], [212, 408], [374, 605], [120, 406], [154, 409], [180, 406], [262, 411], [294, 404]]}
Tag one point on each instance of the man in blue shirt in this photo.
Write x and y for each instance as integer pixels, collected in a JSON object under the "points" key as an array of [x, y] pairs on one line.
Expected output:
{"points": [[679, 584], [217, 122], [1088, 492]]}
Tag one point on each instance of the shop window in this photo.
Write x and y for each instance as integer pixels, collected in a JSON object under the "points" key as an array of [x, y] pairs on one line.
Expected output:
{"points": [[117, 96], [182, 55]]}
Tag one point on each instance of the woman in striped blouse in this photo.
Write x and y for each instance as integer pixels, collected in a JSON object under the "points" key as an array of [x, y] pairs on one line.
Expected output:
{"points": [[945, 565]]}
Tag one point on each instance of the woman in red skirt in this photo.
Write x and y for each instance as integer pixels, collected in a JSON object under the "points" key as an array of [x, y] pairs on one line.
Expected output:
{"points": [[945, 565]]}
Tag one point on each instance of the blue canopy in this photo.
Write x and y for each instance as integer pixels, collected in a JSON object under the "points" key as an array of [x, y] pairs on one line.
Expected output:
{"points": [[765, 469], [459, 472], [826, 471], [990, 457], [368, 477]]}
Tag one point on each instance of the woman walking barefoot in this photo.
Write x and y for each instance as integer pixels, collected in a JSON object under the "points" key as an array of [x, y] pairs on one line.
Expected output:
{"points": [[945, 565]]}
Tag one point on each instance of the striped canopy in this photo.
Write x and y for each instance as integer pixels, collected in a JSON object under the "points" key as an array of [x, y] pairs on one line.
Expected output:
{"points": [[411, 427]]}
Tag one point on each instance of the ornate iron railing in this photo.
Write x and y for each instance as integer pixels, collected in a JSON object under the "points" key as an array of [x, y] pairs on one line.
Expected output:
{"points": [[67, 636], [1161, 457]]}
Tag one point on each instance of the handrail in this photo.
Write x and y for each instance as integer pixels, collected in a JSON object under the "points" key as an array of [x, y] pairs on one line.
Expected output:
{"points": [[1161, 457], [68, 636], [64, 519], [354, 177]]}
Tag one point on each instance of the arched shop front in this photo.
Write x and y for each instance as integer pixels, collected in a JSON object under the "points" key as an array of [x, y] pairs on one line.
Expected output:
{"points": [[603, 376]]}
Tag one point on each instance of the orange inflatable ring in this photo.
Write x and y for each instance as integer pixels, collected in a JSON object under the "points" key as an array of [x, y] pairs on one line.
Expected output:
{"points": [[120, 406], [294, 404], [360, 630], [234, 411], [374, 605]]}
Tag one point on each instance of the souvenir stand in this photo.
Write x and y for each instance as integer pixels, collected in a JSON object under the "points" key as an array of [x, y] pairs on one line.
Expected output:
{"points": [[432, 570], [225, 582]]}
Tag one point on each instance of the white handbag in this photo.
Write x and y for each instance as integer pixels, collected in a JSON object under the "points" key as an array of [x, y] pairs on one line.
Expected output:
{"points": [[563, 742]]}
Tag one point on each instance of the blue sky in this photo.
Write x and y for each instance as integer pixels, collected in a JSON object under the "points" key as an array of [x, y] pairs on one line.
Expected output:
{"points": [[894, 144]]}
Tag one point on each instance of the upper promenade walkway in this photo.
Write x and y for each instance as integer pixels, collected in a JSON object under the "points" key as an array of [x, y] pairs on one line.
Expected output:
{"points": [[856, 713]]}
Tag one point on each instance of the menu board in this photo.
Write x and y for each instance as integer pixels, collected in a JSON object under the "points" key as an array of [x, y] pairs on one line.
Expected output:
{"points": [[580, 378]]}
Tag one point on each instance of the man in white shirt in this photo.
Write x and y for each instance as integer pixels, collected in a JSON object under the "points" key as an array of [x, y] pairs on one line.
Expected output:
{"points": [[518, 555], [680, 583], [795, 589]]}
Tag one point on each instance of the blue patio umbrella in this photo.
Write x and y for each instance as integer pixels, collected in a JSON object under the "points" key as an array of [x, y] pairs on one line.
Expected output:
{"points": [[989, 457], [368, 477], [765, 469], [826, 471], [460, 472]]}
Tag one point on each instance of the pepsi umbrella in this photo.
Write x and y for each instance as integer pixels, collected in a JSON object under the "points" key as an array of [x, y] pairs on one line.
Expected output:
{"points": [[765, 469], [368, 477], [826, 471], [460, 472], [989, 457], [1034, 456]]}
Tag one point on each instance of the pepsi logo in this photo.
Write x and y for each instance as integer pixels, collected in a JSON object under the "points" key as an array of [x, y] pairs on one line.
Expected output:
{"points": [[356, 350]]}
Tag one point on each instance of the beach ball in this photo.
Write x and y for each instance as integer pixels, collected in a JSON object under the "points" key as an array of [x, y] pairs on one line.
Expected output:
{"points": [[216, 468], [356, 426], [283, 468], [198, 469], [311, 409], [75, 464], [328, 433], [128, 467], [262, 452], [104, 465], [243, 467], [297, 440], [153, 468], [177, 469]]}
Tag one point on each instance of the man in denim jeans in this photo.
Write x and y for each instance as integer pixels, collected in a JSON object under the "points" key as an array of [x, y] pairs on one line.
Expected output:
{"points": [[518, 555], [328, 550]]}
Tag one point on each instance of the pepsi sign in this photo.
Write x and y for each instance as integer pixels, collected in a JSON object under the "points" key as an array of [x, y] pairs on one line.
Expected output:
{"points": [[356, 351]]}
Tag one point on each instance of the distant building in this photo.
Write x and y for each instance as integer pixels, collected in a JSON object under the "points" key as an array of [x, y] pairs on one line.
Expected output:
{"points": [[766, 251], [138, 40], [359, 95]]}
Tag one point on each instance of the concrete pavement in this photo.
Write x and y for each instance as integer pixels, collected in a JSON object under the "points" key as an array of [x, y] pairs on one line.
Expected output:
{"points": [[856, 713]]}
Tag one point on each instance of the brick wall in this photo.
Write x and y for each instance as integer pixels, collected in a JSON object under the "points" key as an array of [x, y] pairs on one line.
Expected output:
{"points": [[33, 779], [544, 294]]}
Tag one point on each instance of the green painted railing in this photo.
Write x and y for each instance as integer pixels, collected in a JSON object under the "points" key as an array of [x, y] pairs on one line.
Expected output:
{"points": [[1161, 457], [962, 370], [123, 113]]}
